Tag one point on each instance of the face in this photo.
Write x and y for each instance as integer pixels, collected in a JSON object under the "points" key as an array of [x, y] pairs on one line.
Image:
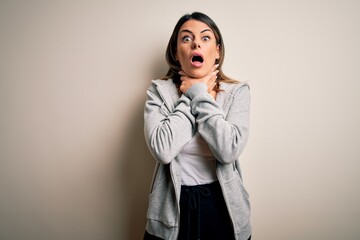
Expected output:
{"points": [[197, 49]]}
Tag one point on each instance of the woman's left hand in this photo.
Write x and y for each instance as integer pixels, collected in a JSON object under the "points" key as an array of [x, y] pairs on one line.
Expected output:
{"points": [[209, 80]]}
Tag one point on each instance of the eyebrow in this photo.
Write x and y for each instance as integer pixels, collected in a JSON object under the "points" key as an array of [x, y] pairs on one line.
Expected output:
{"points": [[205, 30], [188, 31]]}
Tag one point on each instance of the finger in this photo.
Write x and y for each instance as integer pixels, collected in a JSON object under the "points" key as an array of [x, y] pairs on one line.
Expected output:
{"points": [[215, 67], [211, 87], [214, 75], [182, 73], [213, 80], [184, 77], [182, 87]]}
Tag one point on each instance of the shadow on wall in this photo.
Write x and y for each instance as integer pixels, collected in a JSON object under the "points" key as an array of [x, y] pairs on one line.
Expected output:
{"points": [[136, 172], [137, 165]]}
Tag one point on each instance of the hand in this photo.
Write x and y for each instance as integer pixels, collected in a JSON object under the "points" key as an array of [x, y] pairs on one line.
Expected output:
{"points": [[209, 80]]}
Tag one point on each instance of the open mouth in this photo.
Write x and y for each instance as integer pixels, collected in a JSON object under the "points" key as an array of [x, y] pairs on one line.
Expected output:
{"points": [[197, 58]]}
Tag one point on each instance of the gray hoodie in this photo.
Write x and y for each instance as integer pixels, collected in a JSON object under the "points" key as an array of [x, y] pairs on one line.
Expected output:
{"points": [[170, 122]]}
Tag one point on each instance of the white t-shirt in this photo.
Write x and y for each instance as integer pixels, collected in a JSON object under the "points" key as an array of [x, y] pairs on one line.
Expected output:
{"points": [[197, 162]]}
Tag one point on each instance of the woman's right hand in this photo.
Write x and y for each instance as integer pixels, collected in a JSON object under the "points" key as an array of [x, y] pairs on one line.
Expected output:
{"points": [[209, 80]]}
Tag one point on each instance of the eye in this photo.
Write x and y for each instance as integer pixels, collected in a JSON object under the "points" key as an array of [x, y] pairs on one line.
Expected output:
{"points": [[206, 38], [186, 38]]}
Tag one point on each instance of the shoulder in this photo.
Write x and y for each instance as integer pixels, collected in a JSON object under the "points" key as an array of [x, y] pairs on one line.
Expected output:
{"points": [[163, 83], [160, 85], [164, 89], [235, 88]]}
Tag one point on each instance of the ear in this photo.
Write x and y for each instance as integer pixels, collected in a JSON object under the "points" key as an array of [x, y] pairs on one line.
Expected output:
{"points": [[218, 51], [176, 56]]}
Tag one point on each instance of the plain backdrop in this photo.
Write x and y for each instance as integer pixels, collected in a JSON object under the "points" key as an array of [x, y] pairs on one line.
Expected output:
{"points": [[73, 76]]}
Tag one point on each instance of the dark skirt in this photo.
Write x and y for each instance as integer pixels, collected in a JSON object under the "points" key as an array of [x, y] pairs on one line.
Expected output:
{"points": [[203, 214]]}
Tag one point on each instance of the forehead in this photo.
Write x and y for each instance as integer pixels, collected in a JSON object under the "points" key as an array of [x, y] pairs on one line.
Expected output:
{"points": [[194, 26]]}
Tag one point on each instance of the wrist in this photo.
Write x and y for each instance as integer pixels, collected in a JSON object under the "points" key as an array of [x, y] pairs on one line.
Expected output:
{"points": [[196, 89]]}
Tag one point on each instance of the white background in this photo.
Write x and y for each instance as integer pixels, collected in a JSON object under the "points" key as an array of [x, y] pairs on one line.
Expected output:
{"points": [[73, 76]]}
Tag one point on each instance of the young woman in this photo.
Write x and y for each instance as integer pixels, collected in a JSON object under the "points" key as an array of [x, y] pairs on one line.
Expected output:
{"points": [[196, 126]]}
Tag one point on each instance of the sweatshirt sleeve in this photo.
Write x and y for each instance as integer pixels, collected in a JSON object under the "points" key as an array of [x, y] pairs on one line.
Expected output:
{"points": [[226, 136], [167, 132]]}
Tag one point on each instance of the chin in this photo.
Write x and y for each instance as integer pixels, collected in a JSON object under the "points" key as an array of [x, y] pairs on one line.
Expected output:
{"points": [[198, 73]]}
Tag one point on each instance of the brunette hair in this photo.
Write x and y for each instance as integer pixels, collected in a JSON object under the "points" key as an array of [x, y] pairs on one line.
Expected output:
{"points": [[174, 65]]}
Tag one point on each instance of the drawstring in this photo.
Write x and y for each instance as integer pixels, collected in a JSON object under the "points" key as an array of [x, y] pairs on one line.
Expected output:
{"points": [[194, 204]]}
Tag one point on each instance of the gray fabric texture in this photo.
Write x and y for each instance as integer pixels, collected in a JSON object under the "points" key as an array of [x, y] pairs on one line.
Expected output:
{"points": [[170, 121]]}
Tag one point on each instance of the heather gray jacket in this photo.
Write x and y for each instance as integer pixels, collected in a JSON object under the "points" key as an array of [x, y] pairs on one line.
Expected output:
{"points": [[170, 122]]}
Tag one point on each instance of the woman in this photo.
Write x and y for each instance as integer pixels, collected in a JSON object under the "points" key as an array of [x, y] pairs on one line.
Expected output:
{"points": [[196, 126]]}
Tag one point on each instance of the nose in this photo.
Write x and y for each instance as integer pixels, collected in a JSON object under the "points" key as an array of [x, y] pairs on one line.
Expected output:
{"points": [[196, 45]]}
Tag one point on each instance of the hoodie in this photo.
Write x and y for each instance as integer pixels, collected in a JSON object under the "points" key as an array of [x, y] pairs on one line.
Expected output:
{"points": [[170, 121]]}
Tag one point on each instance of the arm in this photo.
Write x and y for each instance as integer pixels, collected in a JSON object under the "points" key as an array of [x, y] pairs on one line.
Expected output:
{"points": [[226, 137], [167, 132]]}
